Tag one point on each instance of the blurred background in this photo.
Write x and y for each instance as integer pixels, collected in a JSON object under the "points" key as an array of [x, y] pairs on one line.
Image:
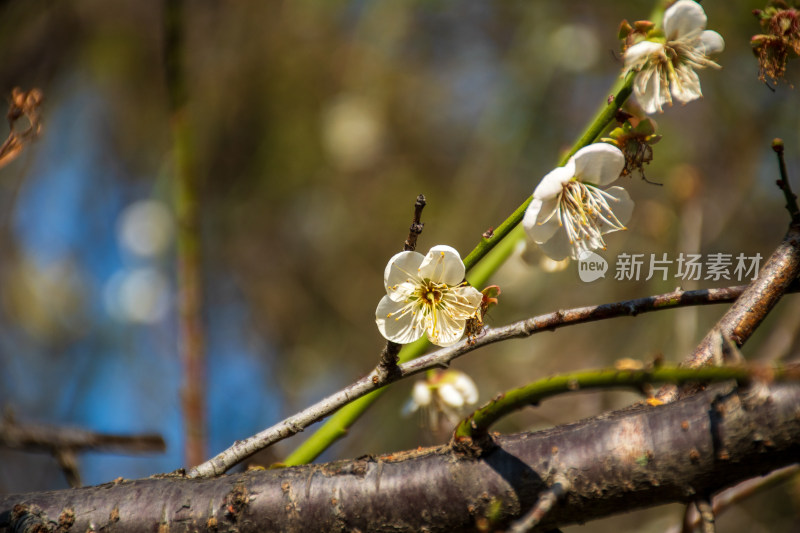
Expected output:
{"points": [[316, 125]]}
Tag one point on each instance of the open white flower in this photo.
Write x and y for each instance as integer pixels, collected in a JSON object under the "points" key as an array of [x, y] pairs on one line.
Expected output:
{"points": [[669, 65], [450, 393], [570, 212], [426, 294]]}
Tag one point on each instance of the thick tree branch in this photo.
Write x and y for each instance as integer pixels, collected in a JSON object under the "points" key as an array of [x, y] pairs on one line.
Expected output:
{"points": [[634, 458], [758, 299], [379, 378]]}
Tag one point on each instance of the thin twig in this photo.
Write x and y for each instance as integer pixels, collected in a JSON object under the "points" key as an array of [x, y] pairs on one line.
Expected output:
{"points": [[389, 353], [40, 437], [736, 494], [416, 226], [377, 379], [706, 512], [783, 182], [543, 506]]}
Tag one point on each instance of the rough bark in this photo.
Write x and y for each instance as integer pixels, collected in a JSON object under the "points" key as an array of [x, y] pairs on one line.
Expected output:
{"points": [[638, 457]]}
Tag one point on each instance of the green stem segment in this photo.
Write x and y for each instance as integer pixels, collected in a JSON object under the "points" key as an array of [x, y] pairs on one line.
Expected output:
{"points": [[337, 426], [478, 423]]}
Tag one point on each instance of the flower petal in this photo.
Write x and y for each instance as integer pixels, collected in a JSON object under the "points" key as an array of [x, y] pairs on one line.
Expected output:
{"points": [[557, 247], [446, 329], [551, 185], [648, 91], [463, 302], [464, 385], [421, 394], [711, 42], [403, 329], [450, 395], [443, 264], [639, 53], [598, 164], [538, 231], [402, 269], [684, 20], [687, 85], [621, 205]]}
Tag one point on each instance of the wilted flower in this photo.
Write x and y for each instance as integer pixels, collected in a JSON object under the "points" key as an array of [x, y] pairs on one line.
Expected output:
{"points": [[426, 294], [570, 212], [780, 41], [635, 137], [667, 65], [449, 393]]}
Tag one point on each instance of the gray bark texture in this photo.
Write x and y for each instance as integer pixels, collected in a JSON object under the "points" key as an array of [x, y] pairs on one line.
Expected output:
{"points": [[639, 457]]}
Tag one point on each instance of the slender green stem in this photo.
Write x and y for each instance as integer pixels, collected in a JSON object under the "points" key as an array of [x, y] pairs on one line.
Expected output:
{"points": [[337, 425], [478, 423]]}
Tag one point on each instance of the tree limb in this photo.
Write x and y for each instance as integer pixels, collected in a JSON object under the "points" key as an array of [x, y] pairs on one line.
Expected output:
{"points": [[378, 378], [638, 457]]}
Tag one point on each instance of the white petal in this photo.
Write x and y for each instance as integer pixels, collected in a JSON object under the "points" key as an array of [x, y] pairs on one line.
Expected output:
{"points": [[409, 408], [557, 247], [552, 183], [450, 395], [402, 268], [648, 92], [687, 87], [621, 205], [684, 20], [711, 42], [445, 330], [421, 394], [443, 264], [401, 329], [469, 391], [537, 211], [599, 163], [463, 302], [639, 53]]}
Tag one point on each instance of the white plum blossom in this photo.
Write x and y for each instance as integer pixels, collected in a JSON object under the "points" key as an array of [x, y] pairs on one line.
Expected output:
{"points": [[426, 294], [668, 64], [571, 212], [449, 393]]}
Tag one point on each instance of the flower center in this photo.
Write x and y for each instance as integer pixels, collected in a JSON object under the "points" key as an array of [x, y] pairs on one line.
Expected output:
{"points": [[582, 210], [430, 294]]}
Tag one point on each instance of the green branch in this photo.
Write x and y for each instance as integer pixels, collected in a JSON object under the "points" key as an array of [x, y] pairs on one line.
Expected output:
{"points": [[477, 424]]}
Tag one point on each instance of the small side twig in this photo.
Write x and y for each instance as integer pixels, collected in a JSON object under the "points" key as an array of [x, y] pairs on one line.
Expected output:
{"points": [[65, 442], [783, 182], [734, 495], [703, 505], [543, 506], [388, 363], [416, 226], [68, 461]]}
